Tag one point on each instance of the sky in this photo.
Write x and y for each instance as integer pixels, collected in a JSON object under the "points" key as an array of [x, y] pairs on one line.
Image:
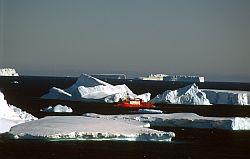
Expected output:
{"points": [[209, 38]]}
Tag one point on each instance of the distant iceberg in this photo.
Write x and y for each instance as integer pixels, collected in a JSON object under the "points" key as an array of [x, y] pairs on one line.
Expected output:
{"points": [[11, 115], [190, 95], [88, 88], [8, 72], [58, 109], [182, 78]]}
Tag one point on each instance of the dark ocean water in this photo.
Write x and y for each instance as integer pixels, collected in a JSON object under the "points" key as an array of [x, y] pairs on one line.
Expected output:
{"points": [[24, 92]]}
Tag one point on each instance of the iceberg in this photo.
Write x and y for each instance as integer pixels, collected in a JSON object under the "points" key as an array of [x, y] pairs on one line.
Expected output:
{"points": [[182, 78], [11, 115], [58, 109], [88, 88], [227, 97], [87, 128], [8, 72], [183, 120], [190, 95]]}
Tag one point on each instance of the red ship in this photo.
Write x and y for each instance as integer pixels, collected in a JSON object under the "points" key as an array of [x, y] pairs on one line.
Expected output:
{"points": [[135, 103]]}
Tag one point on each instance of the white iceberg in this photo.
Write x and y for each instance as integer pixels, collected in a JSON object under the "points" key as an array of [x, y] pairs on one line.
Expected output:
{"points": [[11, 115], [88, 88], [8, 72], [183, 120], [182, 78], [58, 109], [87, 128], [227, 97], [190, 95]]}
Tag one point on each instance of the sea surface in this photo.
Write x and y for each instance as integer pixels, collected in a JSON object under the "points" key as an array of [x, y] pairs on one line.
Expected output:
{"points": [[24, 92]]}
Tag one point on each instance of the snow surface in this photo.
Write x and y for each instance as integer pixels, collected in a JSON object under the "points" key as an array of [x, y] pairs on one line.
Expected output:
{"points": [[8, 72], [11, 115], [88, 88], [183, 120], [227, 97], [58, 108], [190, 95], [87, 128]]}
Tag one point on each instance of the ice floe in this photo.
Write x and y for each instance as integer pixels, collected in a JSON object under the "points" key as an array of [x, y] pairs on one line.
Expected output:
{"points": [[11, 115], [88, 88], [190, 95], [148, 111], [58, 108], [183, 120], [87, 128]]}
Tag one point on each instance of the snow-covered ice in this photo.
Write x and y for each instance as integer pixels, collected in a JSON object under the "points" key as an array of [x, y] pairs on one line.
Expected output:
{"points": [[11, 115], [183, 120], [187, 95], [87, 128], [227, 97], [88, 88], [58, 108], [8, 72]]}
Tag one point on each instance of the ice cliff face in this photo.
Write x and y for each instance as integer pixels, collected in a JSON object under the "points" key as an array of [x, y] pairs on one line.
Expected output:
{"points": [[88, 88], [186, 95], [227, 97], [8, 72]]}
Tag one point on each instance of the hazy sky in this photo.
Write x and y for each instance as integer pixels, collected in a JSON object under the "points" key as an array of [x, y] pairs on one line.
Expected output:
{"points": [[210, 38]]}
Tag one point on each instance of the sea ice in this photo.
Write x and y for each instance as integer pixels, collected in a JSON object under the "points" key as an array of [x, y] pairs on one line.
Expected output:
{"points": [[183, 120], [149, 111], [87, 128], [88, 88], [187, 95], [58, 108]]}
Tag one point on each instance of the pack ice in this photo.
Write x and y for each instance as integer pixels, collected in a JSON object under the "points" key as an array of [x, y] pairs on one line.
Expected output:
{"points": [[88, 88]]}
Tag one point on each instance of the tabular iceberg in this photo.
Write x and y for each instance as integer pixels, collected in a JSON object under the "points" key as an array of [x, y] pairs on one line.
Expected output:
{"points": [[227, 97], [187, 95], [86, 128], [183, 120], [88, 88]]}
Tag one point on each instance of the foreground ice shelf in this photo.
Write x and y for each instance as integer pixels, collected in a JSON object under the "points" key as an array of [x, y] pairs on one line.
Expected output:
{"points": [[86, 128]]}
